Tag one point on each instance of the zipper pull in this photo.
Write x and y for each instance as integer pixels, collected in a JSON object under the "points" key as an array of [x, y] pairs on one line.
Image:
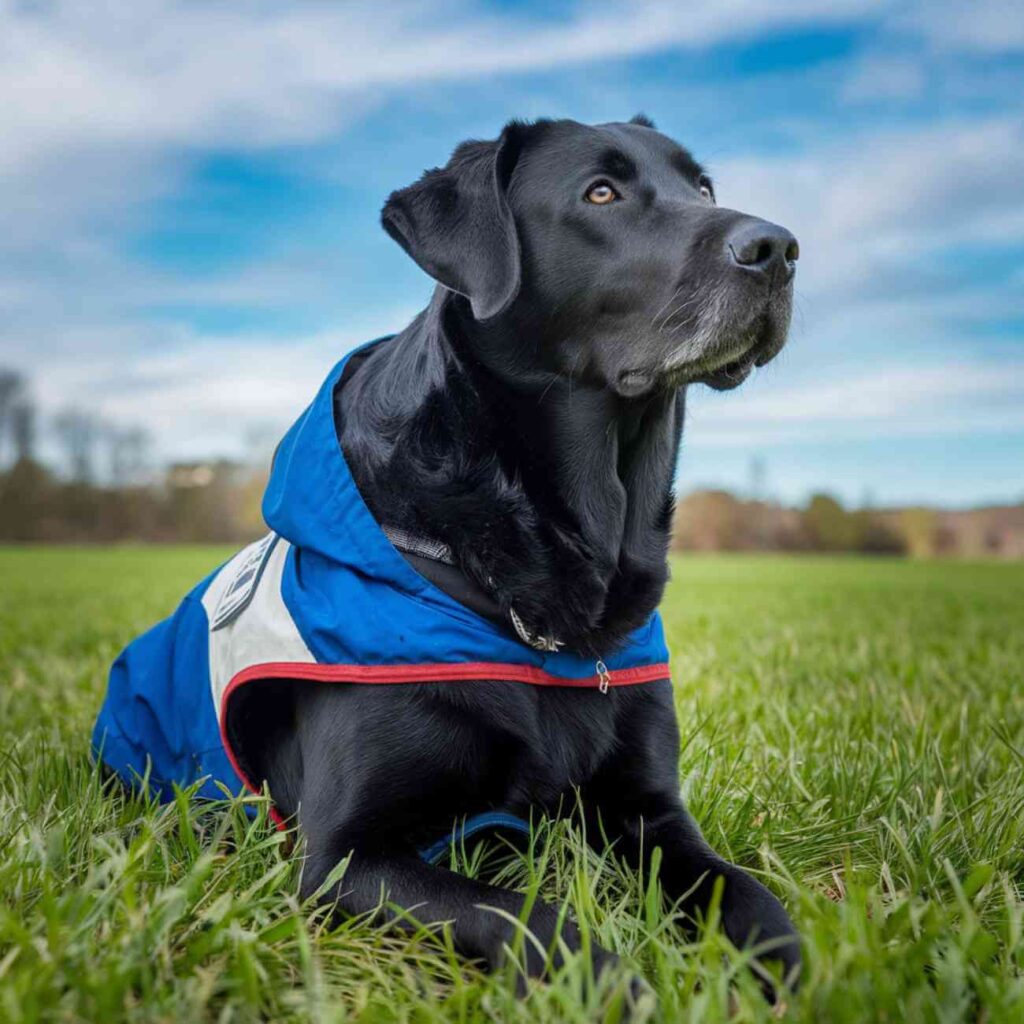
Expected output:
{"points": [[603, 676]]}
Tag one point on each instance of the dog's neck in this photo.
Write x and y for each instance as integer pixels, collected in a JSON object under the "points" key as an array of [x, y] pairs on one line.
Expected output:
{"points": [[554, 498]]}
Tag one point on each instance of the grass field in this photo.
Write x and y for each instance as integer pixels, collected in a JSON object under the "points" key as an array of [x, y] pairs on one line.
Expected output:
{"points": [[854, 732]]}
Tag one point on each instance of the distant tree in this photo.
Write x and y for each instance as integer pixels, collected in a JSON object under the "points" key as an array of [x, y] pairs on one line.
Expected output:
{"points": [[249, 508], [920, 529], [829, 525], [23, 431], [127, 449], [710, 521], [875, 536], [12, 386], [206, 501], [27, 501], [78, 432]]}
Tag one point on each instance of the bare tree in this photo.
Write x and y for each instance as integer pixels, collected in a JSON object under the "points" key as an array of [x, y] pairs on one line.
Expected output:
{"points": [[23, 430], [77, 432], [128, 449], [12, 385]]}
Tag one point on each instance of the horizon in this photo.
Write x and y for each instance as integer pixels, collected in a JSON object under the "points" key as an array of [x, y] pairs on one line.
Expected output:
{"points": [[190, 201]]}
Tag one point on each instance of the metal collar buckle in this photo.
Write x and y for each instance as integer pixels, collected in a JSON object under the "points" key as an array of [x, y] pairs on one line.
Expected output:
{"points": [[534, 640]]}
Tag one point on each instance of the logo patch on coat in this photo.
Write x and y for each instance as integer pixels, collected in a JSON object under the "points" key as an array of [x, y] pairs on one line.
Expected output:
{"points": [[242, 588]]}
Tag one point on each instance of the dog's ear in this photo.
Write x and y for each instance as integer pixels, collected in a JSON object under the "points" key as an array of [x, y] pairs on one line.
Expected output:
{"points": [[456, 224], [641, 119]]}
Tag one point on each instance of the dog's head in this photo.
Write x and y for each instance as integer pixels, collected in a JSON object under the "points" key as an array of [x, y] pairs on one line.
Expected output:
{"points": [[603, 250]]}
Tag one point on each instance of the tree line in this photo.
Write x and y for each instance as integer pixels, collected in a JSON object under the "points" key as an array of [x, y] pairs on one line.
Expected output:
{"points": [[91, 448], [106, 488], [105, 485], [714, 520]]}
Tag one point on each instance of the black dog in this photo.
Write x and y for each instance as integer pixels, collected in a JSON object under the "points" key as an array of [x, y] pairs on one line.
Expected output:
{"points": [[529, 421]]}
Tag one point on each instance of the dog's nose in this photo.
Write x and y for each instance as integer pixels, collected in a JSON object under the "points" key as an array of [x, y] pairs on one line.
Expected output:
{"points": [[761, 247]]}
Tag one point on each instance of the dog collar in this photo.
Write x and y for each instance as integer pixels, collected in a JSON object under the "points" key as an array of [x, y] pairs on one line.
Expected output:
{"points": [[438, 551]]}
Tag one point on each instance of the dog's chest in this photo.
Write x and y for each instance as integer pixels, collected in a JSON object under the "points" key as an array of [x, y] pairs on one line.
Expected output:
{"points": [[562, 741]]}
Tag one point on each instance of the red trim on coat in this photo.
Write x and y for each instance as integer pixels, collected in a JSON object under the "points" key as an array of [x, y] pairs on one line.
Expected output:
{"points": [[438, 673], [431, 673], [275, 815]]}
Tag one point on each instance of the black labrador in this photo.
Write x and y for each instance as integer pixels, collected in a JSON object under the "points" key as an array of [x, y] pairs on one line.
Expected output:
{"points": [[529, 419]]}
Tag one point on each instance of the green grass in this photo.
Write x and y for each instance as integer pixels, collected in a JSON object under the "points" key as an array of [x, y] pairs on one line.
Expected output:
{"points": [[853, 731]]}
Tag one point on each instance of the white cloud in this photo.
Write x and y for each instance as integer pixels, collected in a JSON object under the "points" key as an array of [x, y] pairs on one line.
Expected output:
{"points": [[103, 106], [874, 203], [162, 72], [983, 26], [888, 77], [198, 399], [881, 400]]}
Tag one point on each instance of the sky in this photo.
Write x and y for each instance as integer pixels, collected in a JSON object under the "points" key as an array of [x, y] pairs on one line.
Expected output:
{"points": [[190, 197]]}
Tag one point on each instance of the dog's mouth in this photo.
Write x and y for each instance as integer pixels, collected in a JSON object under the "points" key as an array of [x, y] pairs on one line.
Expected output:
{"points": [[723, 373], [730, 376], [727, 365], [723, 365], [734, 372], [721, 377]]}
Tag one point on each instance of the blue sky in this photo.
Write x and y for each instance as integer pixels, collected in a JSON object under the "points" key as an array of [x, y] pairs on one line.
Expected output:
{"points": [[189, 198]]}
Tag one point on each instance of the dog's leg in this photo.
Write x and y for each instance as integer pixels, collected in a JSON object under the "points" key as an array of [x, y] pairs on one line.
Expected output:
{"points": [[380, 768], [689, 870], [635, 804], [434, 895]]}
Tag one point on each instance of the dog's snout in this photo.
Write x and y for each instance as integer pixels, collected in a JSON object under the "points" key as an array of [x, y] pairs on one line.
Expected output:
{"points": [[761, 247]]}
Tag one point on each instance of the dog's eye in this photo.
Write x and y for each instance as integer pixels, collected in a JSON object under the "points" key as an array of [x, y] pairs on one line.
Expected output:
{"points": [[707, 190], [600, 194]]}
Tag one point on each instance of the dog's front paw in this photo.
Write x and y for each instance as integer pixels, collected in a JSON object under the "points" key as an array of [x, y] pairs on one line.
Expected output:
{"points": [[753, 917], [538, 955]]}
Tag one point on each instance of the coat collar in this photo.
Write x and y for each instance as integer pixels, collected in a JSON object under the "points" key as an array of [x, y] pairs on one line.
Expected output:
{"points": [[312, 499]]}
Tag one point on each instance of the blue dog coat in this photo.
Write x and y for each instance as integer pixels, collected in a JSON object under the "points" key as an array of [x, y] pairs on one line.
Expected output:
{"points": [[325, 596]]}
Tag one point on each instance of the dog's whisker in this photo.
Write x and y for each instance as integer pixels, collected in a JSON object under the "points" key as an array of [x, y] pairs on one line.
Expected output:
{"points": [[668, 302], [696, 300]]}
